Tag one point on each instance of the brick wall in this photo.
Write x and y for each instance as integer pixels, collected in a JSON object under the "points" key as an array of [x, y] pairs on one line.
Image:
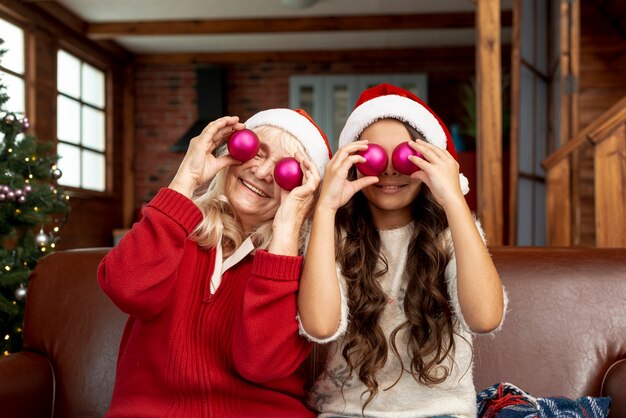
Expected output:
{"points": [[166, 100]]}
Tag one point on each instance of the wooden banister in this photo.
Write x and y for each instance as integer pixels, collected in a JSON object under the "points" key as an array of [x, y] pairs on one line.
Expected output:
{"points": [[607, 137], [606, 122]]}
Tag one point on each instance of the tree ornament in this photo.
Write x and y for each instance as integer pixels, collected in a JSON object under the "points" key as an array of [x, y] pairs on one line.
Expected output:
{"points": [[243, 145], [55, 173], [288, 174], [25, 124], [400, 159], [375, 160], [41, 238], [20, 292]]}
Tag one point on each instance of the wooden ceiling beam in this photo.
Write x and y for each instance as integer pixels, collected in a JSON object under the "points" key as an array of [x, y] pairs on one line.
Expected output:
{"points": [[105, 30], [301, 56]]}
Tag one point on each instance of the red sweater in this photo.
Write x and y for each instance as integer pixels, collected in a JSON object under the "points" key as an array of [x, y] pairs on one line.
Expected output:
{"points": [[188, 353]]}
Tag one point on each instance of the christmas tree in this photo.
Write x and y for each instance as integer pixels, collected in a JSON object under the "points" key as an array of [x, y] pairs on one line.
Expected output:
{"points": [[32, 211]]}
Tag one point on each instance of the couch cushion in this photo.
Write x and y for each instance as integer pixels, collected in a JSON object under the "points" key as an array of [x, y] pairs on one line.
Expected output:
{"points": [[70, 320], [565, 323]]}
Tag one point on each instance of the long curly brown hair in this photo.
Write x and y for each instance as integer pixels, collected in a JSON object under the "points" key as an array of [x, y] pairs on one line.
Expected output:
{"points": [[429, 317]]}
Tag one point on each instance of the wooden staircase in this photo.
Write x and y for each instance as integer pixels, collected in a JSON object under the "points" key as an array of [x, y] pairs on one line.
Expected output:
{"points": [[604, 141]]}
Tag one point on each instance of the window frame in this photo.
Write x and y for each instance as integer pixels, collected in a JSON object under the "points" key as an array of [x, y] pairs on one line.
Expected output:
{"points": [[27, 75], [86, 58]]}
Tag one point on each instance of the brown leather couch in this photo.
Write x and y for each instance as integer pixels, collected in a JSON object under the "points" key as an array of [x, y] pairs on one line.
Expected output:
{"points": [[564, 334]]}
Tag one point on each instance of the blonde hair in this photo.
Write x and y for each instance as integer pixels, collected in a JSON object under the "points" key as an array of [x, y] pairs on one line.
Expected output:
{"points": [[220, 222]]}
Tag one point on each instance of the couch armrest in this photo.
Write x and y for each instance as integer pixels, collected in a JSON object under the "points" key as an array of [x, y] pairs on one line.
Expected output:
{"points": [[614, 385], [26, 386]]}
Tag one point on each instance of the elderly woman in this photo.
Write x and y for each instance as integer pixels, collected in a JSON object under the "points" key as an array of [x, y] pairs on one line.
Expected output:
{"points": [[209, 279]]}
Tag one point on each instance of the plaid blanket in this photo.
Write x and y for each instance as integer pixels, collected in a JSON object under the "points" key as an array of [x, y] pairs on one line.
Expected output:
{"points": [[504, 400]]}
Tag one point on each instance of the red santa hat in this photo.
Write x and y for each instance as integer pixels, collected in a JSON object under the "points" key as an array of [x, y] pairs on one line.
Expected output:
{"points": [[299, 124], [388, 101]]}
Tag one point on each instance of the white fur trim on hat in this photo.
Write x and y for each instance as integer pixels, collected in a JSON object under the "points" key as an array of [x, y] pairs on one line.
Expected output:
{"points": [[396, 107], [298, 126]]}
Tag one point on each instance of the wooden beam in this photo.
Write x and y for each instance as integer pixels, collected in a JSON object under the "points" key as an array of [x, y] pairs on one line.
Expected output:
{"points": [[128, 151], [303, 56], [489, 119], [559, 204], [282, 25], [610, 189], [516, 64], [67, 29]]}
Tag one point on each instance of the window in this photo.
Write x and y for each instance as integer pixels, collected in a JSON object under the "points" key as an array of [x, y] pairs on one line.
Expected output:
{"points": [[12, 66], [330, 99], [534, 131], [81, 123]]}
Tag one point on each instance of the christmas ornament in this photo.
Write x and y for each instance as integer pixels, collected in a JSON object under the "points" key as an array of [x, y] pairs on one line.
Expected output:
{"points": [[25, 124], [288, 174], [375, 160], [400, 159], [20, 293], [41, 238], [243, 145], [56, 173]]}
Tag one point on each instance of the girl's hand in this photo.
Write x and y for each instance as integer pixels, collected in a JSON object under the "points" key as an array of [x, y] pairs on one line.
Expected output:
{"points": [[439, 171], [199, 165], [336, 188]]}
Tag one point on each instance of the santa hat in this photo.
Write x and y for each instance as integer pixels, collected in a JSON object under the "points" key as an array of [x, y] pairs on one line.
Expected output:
{"points": [[388, 101], [299, 124]]}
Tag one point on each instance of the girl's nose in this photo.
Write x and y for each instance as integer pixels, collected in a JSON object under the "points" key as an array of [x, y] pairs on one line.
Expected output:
{"points": [[390, 170]]}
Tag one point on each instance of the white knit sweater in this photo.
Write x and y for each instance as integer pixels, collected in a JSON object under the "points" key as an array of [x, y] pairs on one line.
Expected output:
{"points": [[408, 398]]}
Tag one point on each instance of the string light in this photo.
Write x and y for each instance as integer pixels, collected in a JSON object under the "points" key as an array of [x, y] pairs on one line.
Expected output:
{"points": [[53, 245], [27, 159], [7, 337], [6, 353], [56, 229], [7, 268], [10, 150]]}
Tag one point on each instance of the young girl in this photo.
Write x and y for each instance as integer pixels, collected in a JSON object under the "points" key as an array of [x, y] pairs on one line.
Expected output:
{"points": [[209, 279], [413, 279]]}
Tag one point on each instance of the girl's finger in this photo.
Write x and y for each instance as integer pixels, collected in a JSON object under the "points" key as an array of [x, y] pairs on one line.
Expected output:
{"points": [[363, 182]]}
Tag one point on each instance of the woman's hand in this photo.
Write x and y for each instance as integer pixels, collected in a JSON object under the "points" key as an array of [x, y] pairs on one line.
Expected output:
{"points": [[199, 165], [439, 171], [336, 188], [295, 207]]}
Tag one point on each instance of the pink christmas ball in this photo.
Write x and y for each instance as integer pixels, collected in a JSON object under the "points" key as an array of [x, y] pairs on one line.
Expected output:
{"points": [[288, 174], [400, 159], [243, 145], [375, 160]]}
